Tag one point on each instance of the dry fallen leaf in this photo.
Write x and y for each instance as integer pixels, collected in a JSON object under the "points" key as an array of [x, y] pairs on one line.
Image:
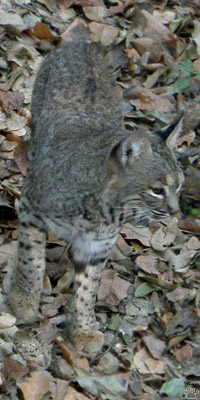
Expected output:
{"points": [[189, 225], [11, 100], [103, 33], [148, 263], [179, 294], [180, 322], [112, 289], [193, 243], [144, 235], [21, 157], [11, 18], [154, 28], [145, 364], [183, 353], [72, 394], [36, 385], [123, 246], [72, 357], [15, 121], [41, 31], [14, 369], [7, 320], [155, 346], [165, 236], [95, 13], [151, 101]]}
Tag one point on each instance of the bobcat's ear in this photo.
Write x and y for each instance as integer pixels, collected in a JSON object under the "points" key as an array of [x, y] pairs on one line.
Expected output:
{"points": [[172, 132], [130, 149]]}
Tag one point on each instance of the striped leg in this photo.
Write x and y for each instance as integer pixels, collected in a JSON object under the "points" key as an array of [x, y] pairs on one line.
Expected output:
{"points": [[27, 283], [83, 331]]}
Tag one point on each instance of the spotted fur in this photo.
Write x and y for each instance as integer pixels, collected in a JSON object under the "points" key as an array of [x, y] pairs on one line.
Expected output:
{"points": [[87, 176]]}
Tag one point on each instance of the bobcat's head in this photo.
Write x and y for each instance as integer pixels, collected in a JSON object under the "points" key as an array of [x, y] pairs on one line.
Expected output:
{"points": [[144, 177]]}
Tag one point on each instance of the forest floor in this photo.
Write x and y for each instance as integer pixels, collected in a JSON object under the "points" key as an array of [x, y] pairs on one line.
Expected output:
{"points": [[148, 304]]}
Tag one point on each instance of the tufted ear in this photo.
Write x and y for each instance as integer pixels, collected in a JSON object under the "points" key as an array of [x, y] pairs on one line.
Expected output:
{"points": [[171, 133], [130, 149]]}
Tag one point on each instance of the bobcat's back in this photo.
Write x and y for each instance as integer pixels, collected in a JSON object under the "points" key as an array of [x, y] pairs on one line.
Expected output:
{"points": [[76, 121], [74, 81]]}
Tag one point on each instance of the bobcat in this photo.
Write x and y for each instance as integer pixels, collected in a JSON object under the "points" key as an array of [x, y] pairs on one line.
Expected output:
{"points": [[87, 175]]}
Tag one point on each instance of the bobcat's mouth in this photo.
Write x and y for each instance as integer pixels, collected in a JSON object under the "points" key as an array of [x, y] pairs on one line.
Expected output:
{"points": [[159, 215]]}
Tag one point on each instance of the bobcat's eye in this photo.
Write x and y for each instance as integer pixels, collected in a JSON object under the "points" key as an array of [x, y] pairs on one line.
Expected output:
{"points": [[158, 191]]}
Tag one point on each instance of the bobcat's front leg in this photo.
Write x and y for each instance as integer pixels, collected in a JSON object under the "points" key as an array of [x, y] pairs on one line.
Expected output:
{"points": [[84, 333], [27, 284]]}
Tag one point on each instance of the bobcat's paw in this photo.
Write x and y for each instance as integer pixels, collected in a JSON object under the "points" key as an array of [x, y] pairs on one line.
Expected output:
{"points": [[88, 341], [24, 306]]}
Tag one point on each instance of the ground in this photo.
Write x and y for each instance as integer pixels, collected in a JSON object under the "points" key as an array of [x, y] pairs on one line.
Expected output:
{"points": [[148, 302]]}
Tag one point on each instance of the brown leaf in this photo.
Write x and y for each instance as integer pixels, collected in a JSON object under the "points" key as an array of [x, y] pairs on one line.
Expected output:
{"points": [[142, 45], [183, 353], [188, 138], [144, 235], [108, 364], [103, 33], [21, 156], [178, 294], [11, 100], [82, 363], [68, 3], [145, 364], [151, 101], [189, 225], [2, 121], [12, 137], [35, 386], [8, 145], [59, 389], [22, 54], [153, 78], [69, 355], [67, 15], [95, 13], [191, 116], [65, 281], [193, 243], [15, 121], [72, 394], [7, 320], [182, 320], [11, 18], [14, 369], [72, 357], [154, 28], [41, 31], [155, 346], [148, 263], [123, 246], [112, 289], [164, 236]]}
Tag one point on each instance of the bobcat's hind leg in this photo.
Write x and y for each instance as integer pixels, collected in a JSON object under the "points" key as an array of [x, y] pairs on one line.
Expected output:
{"points": [[83, 332], [27, 283]]}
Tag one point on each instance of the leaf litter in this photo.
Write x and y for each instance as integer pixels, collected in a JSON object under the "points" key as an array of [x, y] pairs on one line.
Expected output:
{"points": [[148, 302]]}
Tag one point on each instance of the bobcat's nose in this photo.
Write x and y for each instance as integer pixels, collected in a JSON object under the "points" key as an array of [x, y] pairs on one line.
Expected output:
{"points": [[173, 206]]}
